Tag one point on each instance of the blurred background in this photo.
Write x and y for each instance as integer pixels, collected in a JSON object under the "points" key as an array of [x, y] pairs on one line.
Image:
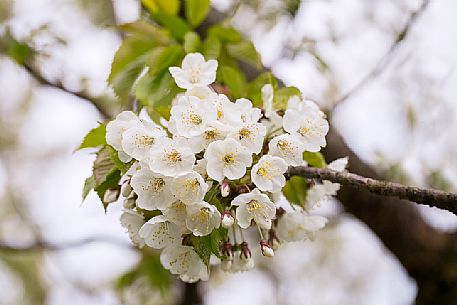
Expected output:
{"points": [[384, 70]]}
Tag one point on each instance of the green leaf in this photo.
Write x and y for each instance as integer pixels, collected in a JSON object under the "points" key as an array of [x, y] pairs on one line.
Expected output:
{"points": [[211, 48], [281, 97], [235, 80], [94, 138], [175, 24], [147, 30], [128, 63], [202, 246], [106, 173], [157, 92], [196, 11], [192, 42], [225, 34], [161, 58], [89, 184], [255, 87], [295, 190], [315, 159], [18, 51], [245, 52], [167, 6]]}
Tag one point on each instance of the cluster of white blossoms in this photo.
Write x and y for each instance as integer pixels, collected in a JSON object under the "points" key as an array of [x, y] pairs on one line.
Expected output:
{"points": [[216, 164]]}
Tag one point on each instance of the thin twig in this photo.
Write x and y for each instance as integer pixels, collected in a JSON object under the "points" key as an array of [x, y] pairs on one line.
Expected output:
{"points": [[387, 58], [431, 197], [96, 102]]}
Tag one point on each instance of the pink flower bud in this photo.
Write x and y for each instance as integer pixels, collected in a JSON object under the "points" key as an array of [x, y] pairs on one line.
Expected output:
{"points": [[225, 189], [227, 220], [266, 249]]}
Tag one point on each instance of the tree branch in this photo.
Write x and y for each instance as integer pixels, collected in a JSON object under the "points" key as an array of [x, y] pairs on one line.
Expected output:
{"points": [[94, 101], [41, 245], [435, 198], [387, 58]]}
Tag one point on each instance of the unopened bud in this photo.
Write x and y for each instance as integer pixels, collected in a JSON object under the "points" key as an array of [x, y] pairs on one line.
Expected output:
{"points": [[266, 249], [225, 189], [226, 249], [126, 189], [227, 220], [111, 195], [245, 252], [129, 203]]}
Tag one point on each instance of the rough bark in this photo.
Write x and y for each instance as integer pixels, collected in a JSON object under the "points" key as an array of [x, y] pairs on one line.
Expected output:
{"points": [[431, 197], [429, 256]]}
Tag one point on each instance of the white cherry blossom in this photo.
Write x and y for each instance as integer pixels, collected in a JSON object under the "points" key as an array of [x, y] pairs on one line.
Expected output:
{"points": [[338, 165], [139, 139], [170, 158], [254, 206], [227, 159], [133, 221], [249, 114], [214, 131], [116, 128], [298, 226], [226, 111], [189, 188], [268, 174], [185, 262], [153, 190], [176, 213], [250, 135], [288, 148], [159, 233], [195, 71], [309, 127], [202, 218], [191, 115], [202, 92], [320, 192]]}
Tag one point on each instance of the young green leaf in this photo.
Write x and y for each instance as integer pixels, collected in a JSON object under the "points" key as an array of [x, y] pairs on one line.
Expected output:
{"points": [[202, 246], [148, 30], [160, 58], [192, 42], [315, 159], [196, 11], [89, 185], [281, 97], [224, 34], [235, 80], [128, 63], [175, 24], [106, 173], [17, 50], [167, 6], [94, 138], [255, 87], [211, 48], [295, 190], [157, 92], [245, 52]]}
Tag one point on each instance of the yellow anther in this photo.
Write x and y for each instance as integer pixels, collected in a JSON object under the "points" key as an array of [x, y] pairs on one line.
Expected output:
{"points": [[229, 159], [174, 156]]}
